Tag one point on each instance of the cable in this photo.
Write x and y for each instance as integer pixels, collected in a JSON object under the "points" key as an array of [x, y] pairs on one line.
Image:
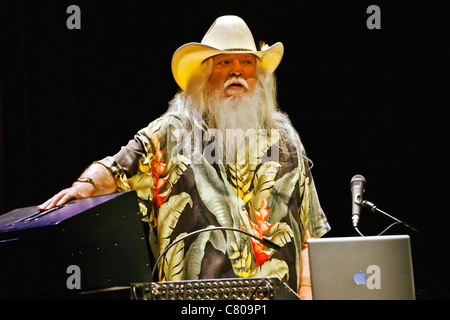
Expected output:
{"points": [[397, 222], [266, 242], [134, 293], [359, 232]]}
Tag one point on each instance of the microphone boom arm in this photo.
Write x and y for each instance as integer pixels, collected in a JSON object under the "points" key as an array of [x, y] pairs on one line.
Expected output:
{"points": [[369, 205]]}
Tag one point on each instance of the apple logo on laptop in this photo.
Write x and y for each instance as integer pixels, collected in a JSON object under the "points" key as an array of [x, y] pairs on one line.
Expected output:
{"points": [[360, 277], [374, 280]]}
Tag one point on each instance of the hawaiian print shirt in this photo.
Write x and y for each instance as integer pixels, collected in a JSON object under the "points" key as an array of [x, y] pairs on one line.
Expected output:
{"points": [[268, 193]]}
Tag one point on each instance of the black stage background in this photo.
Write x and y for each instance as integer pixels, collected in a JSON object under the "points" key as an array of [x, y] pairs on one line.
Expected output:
{"points": [[368, 102]]}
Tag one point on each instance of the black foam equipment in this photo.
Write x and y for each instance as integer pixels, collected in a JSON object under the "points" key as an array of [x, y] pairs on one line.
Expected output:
{"points": [[100, 242]]}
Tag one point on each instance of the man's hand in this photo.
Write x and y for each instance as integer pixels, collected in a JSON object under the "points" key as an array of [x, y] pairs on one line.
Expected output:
{"points": [[78, 190], [100, 175]]}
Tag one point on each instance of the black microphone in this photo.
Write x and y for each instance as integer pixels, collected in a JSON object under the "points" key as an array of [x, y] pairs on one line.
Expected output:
{"points": [[266, 242], [357, 187]]}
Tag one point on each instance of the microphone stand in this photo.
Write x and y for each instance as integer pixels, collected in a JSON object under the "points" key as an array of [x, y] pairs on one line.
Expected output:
{"points": [[266, 242], [372, 207]]}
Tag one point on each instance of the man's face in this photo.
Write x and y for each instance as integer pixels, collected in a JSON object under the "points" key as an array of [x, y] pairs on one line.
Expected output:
{"points": [[233, 74]]}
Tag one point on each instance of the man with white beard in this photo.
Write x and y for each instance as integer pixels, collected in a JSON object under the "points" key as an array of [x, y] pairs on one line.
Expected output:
{"points": [[189, 175]]}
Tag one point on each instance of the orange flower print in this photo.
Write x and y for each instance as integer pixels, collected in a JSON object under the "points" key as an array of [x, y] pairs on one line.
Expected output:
{"points": [[158, 169], [307, 236], [259, 229]]}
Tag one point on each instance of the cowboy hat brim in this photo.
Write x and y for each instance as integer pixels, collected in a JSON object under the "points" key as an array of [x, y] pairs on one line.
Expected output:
{"points": [[190, 56]]}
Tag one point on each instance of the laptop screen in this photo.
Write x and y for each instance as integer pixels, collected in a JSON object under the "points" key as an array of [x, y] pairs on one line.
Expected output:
{"points": [[362, 268]]}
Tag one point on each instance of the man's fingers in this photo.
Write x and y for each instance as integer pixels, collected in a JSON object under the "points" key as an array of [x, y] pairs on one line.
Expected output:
{"points": [[57, 200], [77, 191], [47, 204], [66, 198], [42, 206]]}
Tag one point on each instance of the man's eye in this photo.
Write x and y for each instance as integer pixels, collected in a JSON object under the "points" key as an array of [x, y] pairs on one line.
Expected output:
{"points": [[224, 62]]}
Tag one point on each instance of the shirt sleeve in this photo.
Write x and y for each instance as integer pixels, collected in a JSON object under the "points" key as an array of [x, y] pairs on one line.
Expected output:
{"points": [[313, 222], [318, 223], [129, 155], [125, 163]]}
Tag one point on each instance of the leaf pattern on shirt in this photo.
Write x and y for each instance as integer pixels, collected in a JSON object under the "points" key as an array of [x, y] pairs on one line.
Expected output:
{"points": [[252, 194], [174, 261], [168, 216]]}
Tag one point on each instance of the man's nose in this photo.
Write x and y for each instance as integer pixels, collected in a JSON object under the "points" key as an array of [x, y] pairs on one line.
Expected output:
{"points": [[236, 68]]}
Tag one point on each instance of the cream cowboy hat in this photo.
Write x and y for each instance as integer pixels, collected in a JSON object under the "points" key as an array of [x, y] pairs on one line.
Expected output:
{"points": [[228, 34]]}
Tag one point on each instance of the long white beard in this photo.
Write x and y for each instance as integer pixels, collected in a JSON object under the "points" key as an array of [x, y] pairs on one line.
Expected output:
{"points": [[224, 113], [240, 121]]}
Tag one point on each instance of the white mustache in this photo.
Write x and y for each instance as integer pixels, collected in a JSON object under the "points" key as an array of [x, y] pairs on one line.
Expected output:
{"points": [[235, 80]]}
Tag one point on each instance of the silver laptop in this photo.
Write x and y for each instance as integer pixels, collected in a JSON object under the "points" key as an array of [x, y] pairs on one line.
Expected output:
{"points": [[361, 268]]}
